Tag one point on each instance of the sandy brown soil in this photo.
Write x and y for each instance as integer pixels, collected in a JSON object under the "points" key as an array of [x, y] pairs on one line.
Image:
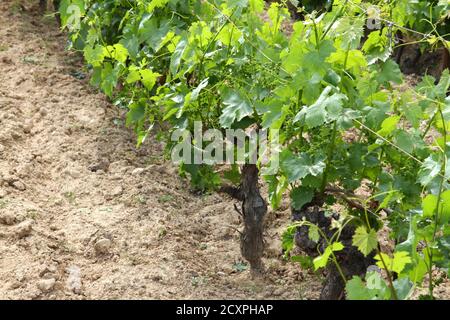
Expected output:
{"points": [[85, 215]]}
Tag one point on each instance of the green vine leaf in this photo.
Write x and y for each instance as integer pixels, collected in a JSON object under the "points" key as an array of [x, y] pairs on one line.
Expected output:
{"points": [[365, 241], [388, 125], [377, 47], [94, 55], [237, 108], [429, 205], [327, 108], [390, 72], [429, 170], [351, 31], [321, 261], [301, 196], [396, 264], [356, 289], [297, 167], [117, 52], [313, 233], [149, 78]]}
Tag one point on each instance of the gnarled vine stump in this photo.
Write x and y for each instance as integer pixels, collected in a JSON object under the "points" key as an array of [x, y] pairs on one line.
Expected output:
{"points": [[254, 208], [350, 259]]}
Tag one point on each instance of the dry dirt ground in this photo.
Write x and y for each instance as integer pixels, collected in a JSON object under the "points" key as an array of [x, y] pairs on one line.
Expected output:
{"points": [[85, 215]]}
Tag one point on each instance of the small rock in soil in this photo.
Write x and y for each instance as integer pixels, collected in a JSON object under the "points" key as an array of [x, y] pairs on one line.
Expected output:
{"points": [[117, 191], [7, 218], [27, 126], [24, 229], [43, 112], [137, 171], [278, 292], [101, 165], [19, 185], [3, 193], [7, 60], [46, 285], [118, 167], [48, 270], [16, 135], [228, 270], [274, 249], [72, 173], [2, 148], [15, 285], [102, 246]]}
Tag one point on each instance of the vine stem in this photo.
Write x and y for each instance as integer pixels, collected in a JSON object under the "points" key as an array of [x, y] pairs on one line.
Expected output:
{"points": [[334, 258], [334, 20], [389, 275], [316, 34], [329, 156], [377, 177], [429, 125], [436, 216]]}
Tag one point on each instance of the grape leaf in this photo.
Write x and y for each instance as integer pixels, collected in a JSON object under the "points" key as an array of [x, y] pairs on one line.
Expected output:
{"points": [[297, 167], [397, 263], [404, 141], [429, 205], [444, 207], [429, 170], [257, 5], [443, 85], [109, 79], [156, 4], [94, 55], [327, 108], [70, 11], [365, 241], [131, 43], [402, 287], [198, 89], [322, 260], [276, 189], [353, 60], [313, 233], [149, 78], [117, 52], [301, 196], [133, 74], [377, 47], [237, 107], [389, 72], [351, 30], [177, 55], [356, 289], [388, 125]]}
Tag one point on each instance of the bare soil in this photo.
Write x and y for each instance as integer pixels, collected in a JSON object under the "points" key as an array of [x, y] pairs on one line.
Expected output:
{"points": [[86, 215]]}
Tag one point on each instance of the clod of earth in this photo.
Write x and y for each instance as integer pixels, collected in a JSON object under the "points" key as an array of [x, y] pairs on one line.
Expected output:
{"points": [[102, 246], [19, 185], [46, 285], [8, 219], [23, 229]]}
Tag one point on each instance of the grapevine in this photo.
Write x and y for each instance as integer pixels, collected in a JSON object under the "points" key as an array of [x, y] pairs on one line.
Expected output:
{"points": [[335, 91]]}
